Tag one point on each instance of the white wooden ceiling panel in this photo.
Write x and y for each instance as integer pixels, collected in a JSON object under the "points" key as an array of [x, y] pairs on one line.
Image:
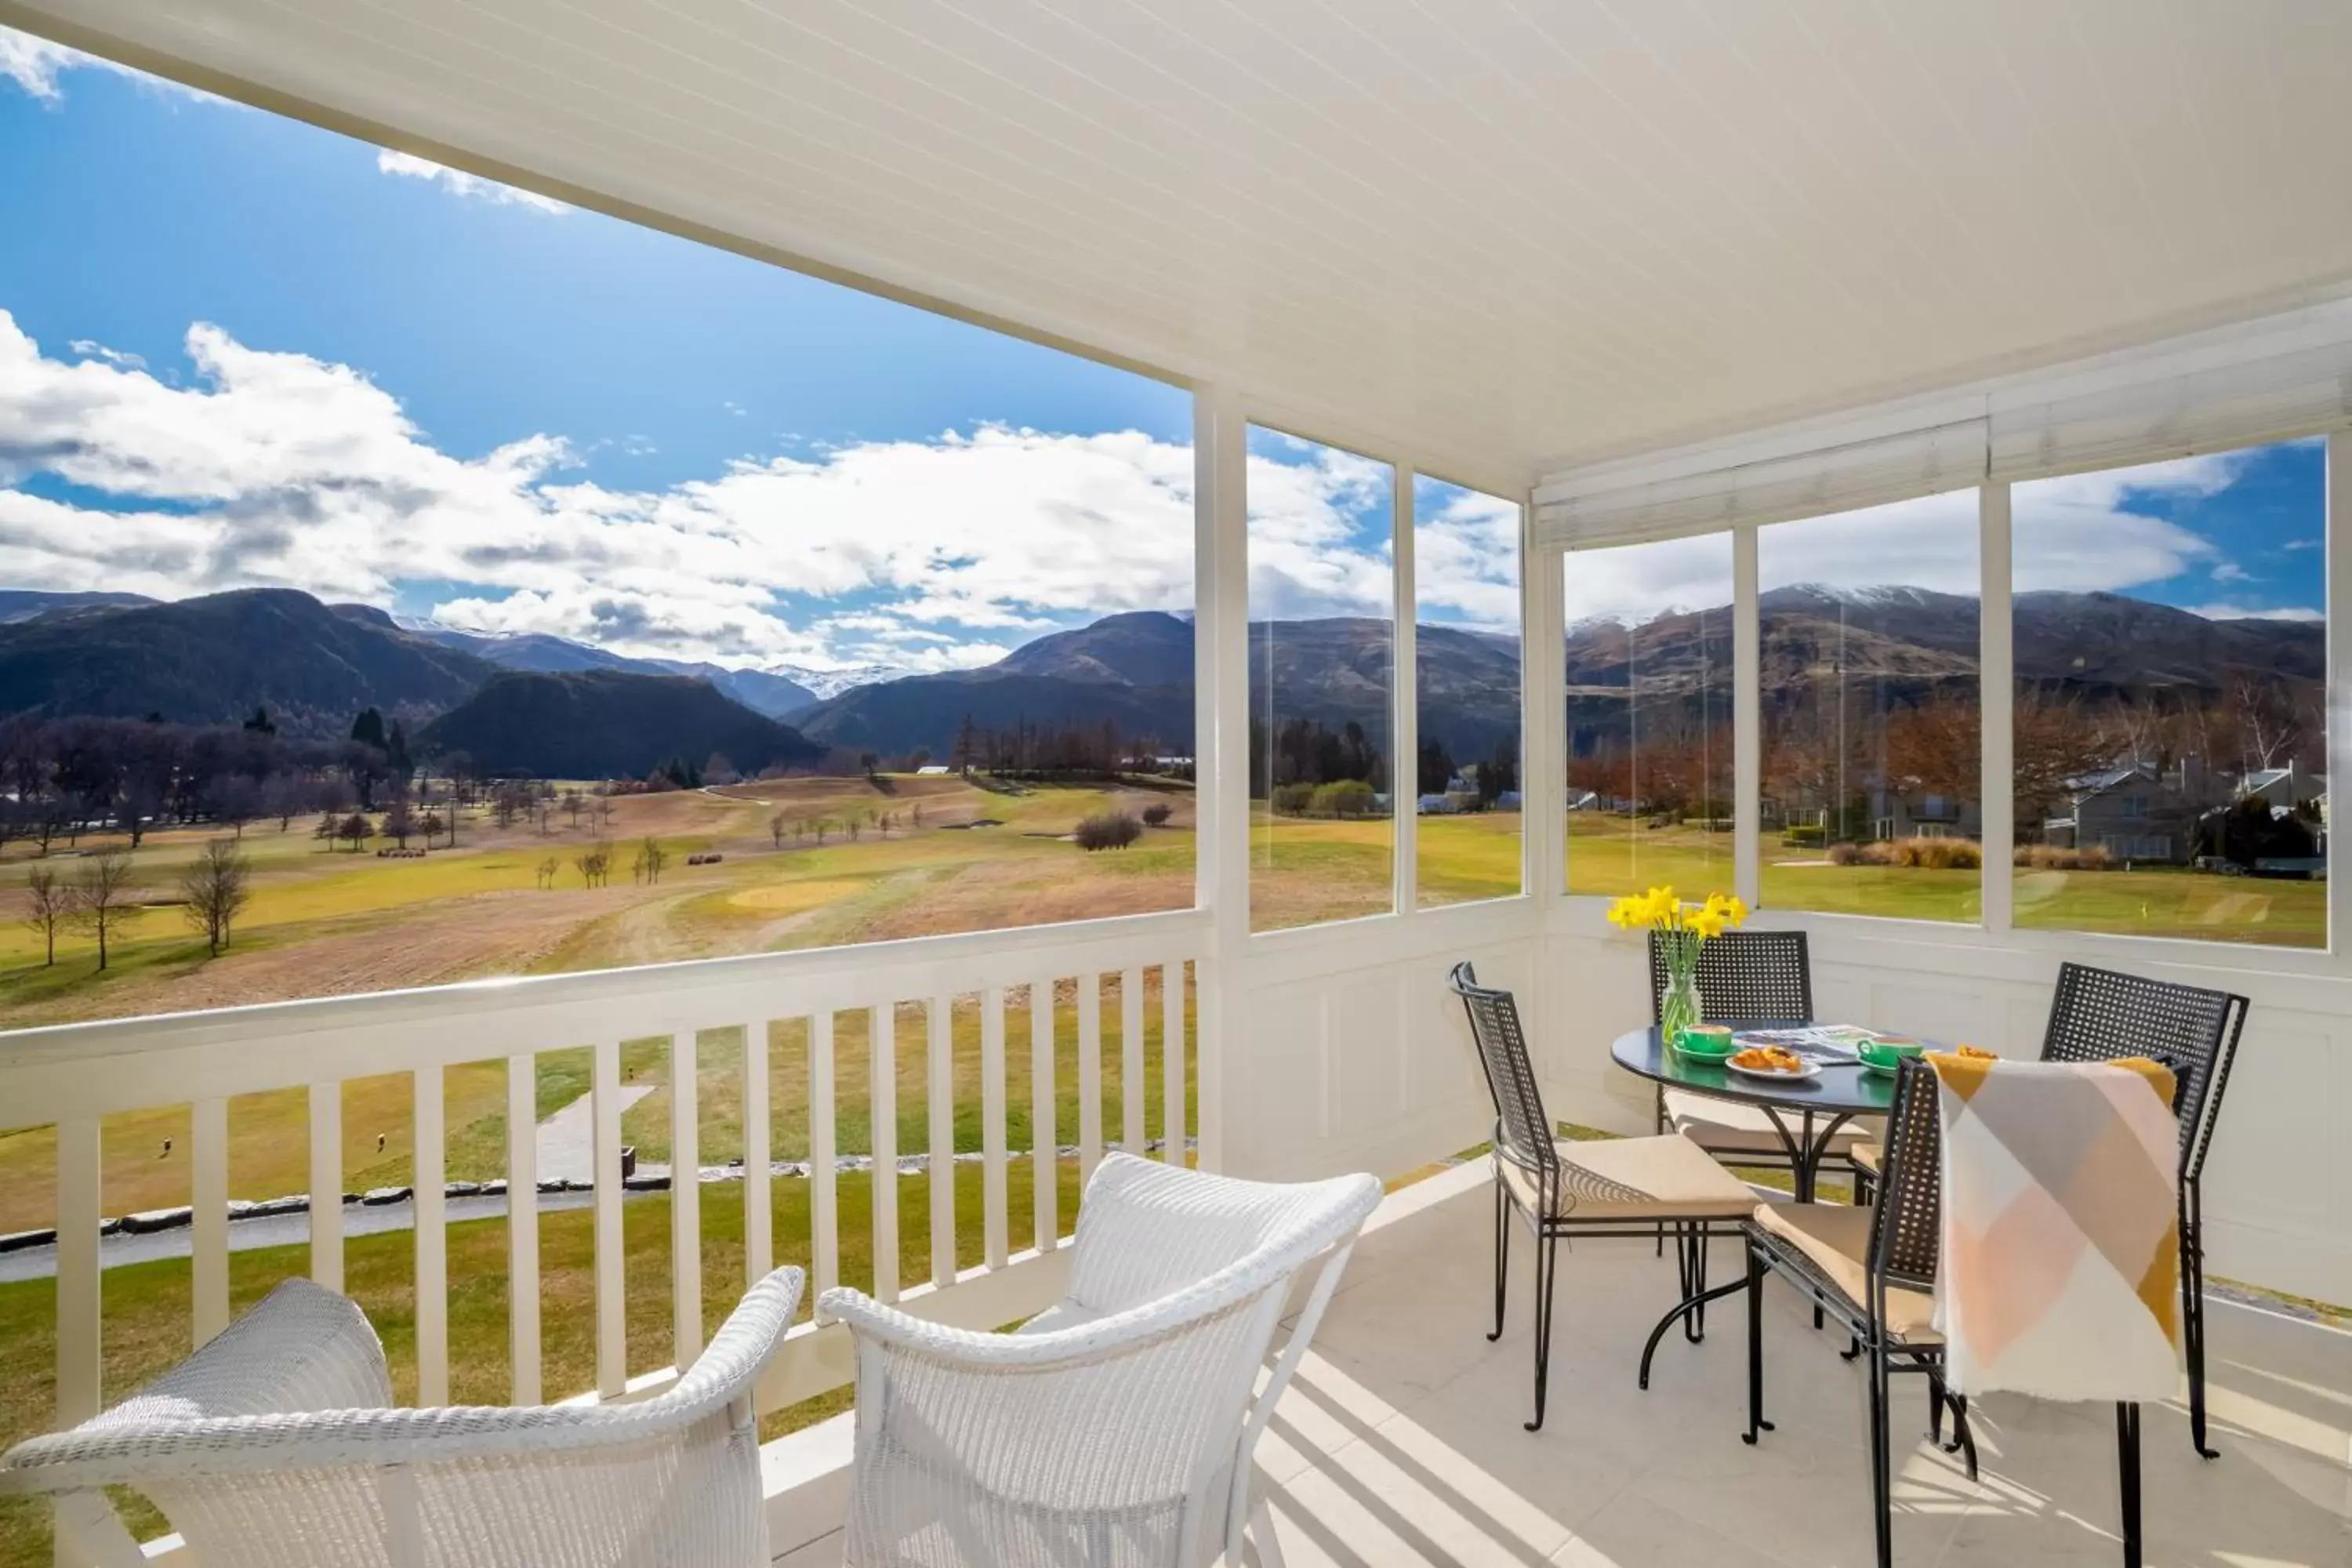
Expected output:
{"points": [[1497, 232]]}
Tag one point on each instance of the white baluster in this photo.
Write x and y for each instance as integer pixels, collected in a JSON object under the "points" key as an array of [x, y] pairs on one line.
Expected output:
{"points": [[993, 1222], [612, 1305], [1090, 1085], [824, 1229], [79, 1383], [327, 1184], [759, 1228], [523, 1225], [1044, 1134], [208, 1222], [882, 1102], [1134, 1092], [684, 1206], [1171, 1061], [427, 1163], [940, 1103]]}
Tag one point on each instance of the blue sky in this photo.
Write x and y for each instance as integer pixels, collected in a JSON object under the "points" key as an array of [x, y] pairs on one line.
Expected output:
{"points": [[545, 395], [2228, 535]]}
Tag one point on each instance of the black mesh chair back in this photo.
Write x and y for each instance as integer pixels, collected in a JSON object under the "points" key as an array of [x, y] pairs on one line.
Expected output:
{"points": [[1906, 1226], [1522, 1132], [2098, 1015], [1745, 977]]}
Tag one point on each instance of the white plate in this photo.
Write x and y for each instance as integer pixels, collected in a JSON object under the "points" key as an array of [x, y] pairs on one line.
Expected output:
{"points": [[1770, 1075]]}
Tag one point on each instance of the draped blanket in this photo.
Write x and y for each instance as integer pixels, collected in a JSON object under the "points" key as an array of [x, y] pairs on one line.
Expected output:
{"points": [[2059, 1274]]}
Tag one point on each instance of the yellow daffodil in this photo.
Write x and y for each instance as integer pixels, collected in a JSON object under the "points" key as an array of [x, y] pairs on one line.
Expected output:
{"points": [[1708, 922]]}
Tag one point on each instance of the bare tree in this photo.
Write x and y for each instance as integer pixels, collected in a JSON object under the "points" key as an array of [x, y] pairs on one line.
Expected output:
{"points": [[776, 825], [547, 870], [574, 802], [650, 860], [48, 904], [101, 898], [216, 888], [357, 828], [399, 822], [2056, 742], [595, 864]]}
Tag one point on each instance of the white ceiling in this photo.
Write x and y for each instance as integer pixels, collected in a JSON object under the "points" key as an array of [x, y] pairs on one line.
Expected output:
{"points": [[1504, 231]]}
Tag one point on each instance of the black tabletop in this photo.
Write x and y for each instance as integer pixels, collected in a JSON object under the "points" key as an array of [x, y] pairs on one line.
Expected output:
{"points": [[1840, 1087]]}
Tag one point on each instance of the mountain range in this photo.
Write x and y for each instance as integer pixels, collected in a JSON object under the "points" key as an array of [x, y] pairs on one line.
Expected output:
{"points": [[213, 660]]}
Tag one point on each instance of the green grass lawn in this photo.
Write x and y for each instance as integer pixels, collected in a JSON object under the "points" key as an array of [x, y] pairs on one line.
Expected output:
{"points": [[1613, 855], [147, 1304]]}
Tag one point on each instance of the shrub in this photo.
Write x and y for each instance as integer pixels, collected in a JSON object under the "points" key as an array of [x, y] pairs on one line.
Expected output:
{"points": [[1803, 835], [1157, 814], [1345, 797], [1110, 830], [2054, 857], [1844, 854], [1293, 799]]}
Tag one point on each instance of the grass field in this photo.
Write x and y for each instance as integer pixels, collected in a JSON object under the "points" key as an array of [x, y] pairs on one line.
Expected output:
{"points": [[1612, 855], [147, 1315]]}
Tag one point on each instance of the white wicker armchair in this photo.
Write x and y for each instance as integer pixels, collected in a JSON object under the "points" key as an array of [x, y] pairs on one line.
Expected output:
{"points": [[1115, 1429], [273, 1445]]}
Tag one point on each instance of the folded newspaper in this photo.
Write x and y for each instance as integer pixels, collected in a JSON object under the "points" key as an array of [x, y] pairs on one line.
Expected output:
{"points": [[1836, 1042]]}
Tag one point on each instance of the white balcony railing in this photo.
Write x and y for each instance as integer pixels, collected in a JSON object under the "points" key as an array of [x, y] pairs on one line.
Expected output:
{"points": [[77, 1075]]}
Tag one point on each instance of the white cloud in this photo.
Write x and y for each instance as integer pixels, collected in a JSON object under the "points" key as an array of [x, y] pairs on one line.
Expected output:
{"points": [[275, 469], [89, 349], [2256, 612], [2231, 572], [37, 65], [459, 182]]}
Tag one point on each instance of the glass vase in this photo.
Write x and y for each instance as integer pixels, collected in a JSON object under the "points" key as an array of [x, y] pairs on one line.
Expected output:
{"points": [[1679, 1006]]}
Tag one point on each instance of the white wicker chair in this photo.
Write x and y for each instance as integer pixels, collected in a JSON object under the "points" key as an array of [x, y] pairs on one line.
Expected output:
{"points": [[1115, 1429], [273, 1445]]}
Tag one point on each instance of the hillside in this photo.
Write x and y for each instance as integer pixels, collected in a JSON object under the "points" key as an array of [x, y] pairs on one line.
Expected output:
{"points": [[605, 723], [213, 660], [761, 691], [25, 604], [1135, 670]]}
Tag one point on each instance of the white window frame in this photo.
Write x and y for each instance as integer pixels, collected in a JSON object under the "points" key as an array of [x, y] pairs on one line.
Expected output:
{"points": [[1548, 562]]}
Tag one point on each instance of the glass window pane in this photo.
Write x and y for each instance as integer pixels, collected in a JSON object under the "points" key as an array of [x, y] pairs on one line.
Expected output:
{"points": [[1322, 605], [1466, 661], [1649, 716], [2170, 727], [1869, 700]]}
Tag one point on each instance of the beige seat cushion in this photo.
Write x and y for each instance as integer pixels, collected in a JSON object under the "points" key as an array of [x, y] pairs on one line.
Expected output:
{"points": [[1727, 1127], [1837, 1239], [1664, 1177]]}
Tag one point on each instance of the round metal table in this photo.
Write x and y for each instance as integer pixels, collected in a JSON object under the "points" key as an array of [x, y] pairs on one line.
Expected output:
{"points": [[1806, 1113]]}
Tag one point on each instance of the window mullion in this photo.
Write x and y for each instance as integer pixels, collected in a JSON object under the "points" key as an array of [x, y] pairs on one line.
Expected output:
{"points": [[1405, 675], [1996, 693], [2338, 605], [1746, 737]]}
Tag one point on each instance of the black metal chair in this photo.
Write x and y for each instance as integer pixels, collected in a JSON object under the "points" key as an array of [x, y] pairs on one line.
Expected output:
{"points": [[1615, 1186], [1745, 977], [1875, 1270], [2098, 1015]]}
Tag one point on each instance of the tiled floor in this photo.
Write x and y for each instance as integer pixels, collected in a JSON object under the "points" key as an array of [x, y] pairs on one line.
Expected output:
{"points": [[1401, 1443]]}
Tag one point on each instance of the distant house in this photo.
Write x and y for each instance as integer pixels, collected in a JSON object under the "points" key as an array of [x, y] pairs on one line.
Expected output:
{"points": [[1444, 804], [1923, 815], [2136, 812], [2287, 787], [933, 770]]}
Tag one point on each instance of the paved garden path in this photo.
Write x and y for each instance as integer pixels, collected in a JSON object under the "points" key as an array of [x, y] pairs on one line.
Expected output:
{"points": [[567, 1140]]}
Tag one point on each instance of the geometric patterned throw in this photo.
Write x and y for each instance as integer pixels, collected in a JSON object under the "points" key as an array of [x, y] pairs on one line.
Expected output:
{"points": [[2059, 1274]]}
